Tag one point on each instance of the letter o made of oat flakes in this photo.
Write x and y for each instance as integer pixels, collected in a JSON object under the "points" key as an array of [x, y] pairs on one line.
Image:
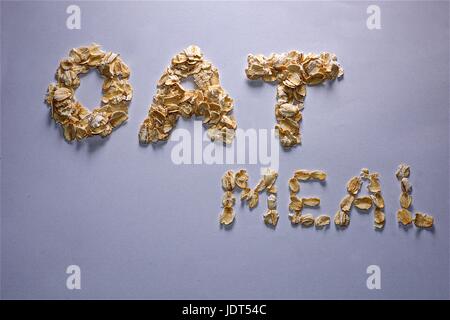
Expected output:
{"points": [[77, 121]]}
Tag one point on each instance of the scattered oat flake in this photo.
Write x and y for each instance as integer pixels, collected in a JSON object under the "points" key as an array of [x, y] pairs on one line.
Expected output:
{"points": [[271, 217], [404, 216], [364, 173], [296, 204], [228, 182], [354, 185], [241, 179], [322, 220], [405, 185], [346, 203], [405, 200], [379, 218], [295, 217], [318, 175], [341, 218], [227, 216], [302, 175], [374, 183], [260, 186], [311, 202], [272, 190], [378, 200], [307, 220], [363, 203], [423, 220], [294, 186], [269, 177], [246, 193], [272, 202], [228, 199], [403, 171], [253, 199]]}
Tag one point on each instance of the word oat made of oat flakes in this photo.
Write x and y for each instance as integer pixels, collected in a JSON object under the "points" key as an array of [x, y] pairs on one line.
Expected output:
{"points": [[209, 101]]}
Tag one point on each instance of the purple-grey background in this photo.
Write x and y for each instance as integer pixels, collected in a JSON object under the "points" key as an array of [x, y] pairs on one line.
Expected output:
{"points": [[141, 227]]}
